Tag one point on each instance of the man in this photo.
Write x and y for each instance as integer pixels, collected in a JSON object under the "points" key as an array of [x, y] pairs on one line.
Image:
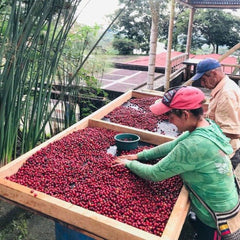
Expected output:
{"points": [[224, 105]]}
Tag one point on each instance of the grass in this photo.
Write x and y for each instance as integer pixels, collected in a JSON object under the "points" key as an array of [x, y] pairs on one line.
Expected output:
{"points": [[17, 223], [14, 225]]}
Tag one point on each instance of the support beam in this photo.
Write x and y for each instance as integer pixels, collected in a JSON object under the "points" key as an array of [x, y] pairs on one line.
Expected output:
{"points": [[169, 48], [154, 7], [190, 27]]}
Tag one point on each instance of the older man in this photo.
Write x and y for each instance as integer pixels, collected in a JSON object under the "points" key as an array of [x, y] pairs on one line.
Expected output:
{"points": [[224, 105]]}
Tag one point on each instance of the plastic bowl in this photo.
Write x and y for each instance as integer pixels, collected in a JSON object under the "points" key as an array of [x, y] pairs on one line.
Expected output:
{"points": [[126, 141]]}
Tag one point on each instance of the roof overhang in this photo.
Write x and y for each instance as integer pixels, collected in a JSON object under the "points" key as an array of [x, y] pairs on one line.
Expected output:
{"points": [[230, 4]]}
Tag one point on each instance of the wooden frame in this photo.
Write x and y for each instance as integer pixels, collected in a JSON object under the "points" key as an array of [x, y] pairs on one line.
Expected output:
{"points": [[88, 222], [211, 4]]}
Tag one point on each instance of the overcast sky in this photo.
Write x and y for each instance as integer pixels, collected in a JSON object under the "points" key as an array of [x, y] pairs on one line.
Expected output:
{"points": [[94, 11]]}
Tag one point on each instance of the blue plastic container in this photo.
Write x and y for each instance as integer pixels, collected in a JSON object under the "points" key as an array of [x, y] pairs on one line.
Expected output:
{"points": [[64, 233]]}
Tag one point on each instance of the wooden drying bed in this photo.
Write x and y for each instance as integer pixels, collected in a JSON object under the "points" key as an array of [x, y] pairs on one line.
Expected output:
{"points": [[88, 222]]}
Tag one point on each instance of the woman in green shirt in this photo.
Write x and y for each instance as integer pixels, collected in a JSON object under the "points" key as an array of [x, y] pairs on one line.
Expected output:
{"points": [[200, 155]]}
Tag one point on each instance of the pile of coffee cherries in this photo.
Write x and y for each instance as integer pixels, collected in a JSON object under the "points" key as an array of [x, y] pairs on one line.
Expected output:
{"points": [[78, 169], [136, 113]]}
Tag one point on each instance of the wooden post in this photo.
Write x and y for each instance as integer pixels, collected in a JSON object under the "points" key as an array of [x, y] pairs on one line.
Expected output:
{"points": [[169, 48], [154, 7], [189, 42], [190, 27], [229, 52]]}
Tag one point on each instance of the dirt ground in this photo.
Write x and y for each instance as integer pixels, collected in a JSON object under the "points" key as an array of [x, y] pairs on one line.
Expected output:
{"points": [[38, 227], [20, 224]]}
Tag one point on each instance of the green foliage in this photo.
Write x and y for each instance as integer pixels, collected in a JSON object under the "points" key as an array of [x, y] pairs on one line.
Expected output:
{"points": [[135, 22], [21, 227], [92, 97], [16, 229], [32, 35], [106, 44], [79, 40], [219, 28], [213, 27], [77, 95], [181, 30], [124, 46]]}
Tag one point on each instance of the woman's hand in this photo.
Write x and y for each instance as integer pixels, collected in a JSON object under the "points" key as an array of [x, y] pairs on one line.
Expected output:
{"points": [[124, 159], [129, 157]]}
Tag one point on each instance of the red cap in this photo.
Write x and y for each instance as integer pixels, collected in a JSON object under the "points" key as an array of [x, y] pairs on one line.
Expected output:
{"points": [[179, 98]]}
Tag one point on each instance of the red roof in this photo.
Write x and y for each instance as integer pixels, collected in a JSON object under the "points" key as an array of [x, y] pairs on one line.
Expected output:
{"points": [[228, 60], [161, 59]]}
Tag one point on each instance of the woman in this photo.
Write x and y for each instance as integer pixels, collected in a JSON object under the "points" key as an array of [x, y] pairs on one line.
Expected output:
{"points": [[199, 155]]}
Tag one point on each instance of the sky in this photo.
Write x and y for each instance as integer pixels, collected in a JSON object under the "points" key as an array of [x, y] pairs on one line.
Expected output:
{"points": [[95, 11]]}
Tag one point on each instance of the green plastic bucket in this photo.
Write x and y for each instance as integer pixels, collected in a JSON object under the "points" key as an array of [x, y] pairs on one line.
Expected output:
{"points": [[126, 141]]}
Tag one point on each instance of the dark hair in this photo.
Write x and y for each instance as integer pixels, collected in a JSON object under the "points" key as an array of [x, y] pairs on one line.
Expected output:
{"points": [[196, 112]]}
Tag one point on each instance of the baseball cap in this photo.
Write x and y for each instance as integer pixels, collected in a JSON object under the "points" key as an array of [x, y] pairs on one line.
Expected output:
{"points": [[184, 97], [205, 65]]}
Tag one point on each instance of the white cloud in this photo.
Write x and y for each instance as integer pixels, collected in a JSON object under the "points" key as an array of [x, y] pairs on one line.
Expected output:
{"points": [[95, 11]]}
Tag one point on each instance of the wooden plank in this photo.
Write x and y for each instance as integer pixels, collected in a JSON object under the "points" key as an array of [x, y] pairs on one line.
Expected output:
{"points": [[189, 34], [145, 136], [90, 221], [169, 46], [147, 93], [229, 52], [177, 217]]}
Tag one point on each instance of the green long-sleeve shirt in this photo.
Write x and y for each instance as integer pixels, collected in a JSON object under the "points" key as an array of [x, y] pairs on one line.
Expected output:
{"points": [[201, 159]]}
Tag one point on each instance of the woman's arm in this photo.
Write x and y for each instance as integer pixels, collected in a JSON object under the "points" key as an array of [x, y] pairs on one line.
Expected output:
{"points": [[161, 150]]}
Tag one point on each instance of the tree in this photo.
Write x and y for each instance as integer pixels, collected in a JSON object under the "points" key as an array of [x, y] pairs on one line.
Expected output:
{"points": [[125, 46], [181, 31], [214, 27], [135, 22], [219, 28]]}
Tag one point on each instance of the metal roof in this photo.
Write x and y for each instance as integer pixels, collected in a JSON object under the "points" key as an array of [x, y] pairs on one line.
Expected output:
{"points": [[211, 3]]}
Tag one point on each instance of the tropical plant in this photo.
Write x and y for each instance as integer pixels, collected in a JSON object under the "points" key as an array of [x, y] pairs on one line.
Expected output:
{"points": [[80, 83], [33, 34], [64, 90]]}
